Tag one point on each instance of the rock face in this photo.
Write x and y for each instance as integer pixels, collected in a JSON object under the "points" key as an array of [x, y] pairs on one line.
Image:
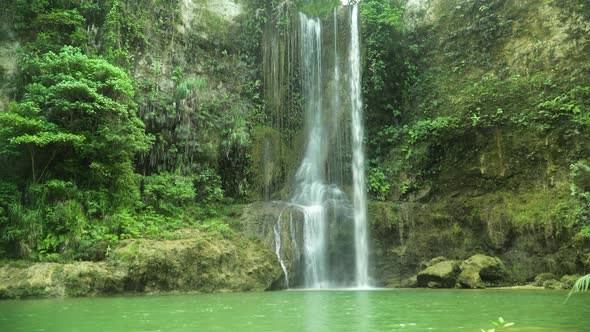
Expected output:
{"points": [[200, 263], [408, 234], [439, 275], [267, 220], [499, 187]]}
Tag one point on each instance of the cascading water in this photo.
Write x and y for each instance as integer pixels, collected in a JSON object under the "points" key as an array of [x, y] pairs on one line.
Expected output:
{"points": [[277, 229], [358, 157], [334, 246], [310, 194]]}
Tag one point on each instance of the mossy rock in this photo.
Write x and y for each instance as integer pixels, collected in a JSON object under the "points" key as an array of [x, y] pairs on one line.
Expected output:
{"points": [[425, 264], [202, 263], [489, 268], [437, 260], [469, 278], [410, 282], [439, 275]]}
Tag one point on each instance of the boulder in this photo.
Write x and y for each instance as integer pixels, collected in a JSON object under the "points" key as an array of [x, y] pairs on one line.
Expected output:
{"points": [[440, 275], [469, 278], [437, 260], [200, 263], [410, 282], [424, 264], [489, 268], [56, 280]]}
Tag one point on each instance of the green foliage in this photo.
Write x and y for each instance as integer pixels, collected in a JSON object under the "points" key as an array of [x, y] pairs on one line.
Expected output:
{"points": [[380, 16], [574, 7], [77, 127], [477, 29], [25, 126], [24, 229], [195, 196], [501, 324], [123, 32], [69, 143], [9, 195], [316, 7], [190, 85], [436, 129], [580, 190], [573, 106], [235, 135], [208, 192], [218, 227], [87, 104], [168, 193], [381, 22], [581, 285], [49, 25], [384, 67], [378, 183]]}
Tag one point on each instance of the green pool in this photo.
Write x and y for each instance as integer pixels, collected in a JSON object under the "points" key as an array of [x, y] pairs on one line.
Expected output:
{"points": [[377, 310]]}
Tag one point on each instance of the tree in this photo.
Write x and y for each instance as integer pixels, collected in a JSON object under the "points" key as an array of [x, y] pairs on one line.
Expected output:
{"points": [[77, 129], [85, 104], [24, 125]]}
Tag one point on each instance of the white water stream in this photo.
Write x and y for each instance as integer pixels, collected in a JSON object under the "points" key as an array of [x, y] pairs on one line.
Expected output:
{"points": [[358, 157]]}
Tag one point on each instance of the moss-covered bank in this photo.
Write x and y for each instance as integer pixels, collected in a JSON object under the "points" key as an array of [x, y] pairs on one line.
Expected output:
{"points": [[195, 262]]}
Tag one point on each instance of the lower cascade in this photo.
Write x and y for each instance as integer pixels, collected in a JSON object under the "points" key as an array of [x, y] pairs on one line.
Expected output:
{"points": [[334, 250]]}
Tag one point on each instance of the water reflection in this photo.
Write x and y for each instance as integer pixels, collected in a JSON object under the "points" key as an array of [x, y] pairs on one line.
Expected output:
{"points": [[316, 312], [326, 310], [363, 309]]}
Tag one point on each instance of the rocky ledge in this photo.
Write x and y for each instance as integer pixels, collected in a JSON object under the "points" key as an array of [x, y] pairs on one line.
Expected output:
{"points": [[197, 262]]}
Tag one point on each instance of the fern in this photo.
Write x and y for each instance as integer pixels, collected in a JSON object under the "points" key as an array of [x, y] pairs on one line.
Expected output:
{"points": [[581, 285]]}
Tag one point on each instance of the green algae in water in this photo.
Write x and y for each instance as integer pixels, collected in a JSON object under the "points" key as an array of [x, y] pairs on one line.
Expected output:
{"points": [[317, 311]]}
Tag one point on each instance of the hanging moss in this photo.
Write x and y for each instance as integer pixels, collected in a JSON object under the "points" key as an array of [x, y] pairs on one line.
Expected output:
{"points": [[268, 155]]}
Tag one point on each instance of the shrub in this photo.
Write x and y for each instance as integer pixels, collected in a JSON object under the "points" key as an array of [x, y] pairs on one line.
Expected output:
{"points": [[168, 192]]}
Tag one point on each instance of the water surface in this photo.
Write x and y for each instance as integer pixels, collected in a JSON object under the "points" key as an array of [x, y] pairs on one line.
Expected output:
{"points": [[317, 311]]}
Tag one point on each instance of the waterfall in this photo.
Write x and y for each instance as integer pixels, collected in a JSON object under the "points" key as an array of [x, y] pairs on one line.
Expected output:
{"points": [[358, 157], [310, 176], [334, 248]]}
